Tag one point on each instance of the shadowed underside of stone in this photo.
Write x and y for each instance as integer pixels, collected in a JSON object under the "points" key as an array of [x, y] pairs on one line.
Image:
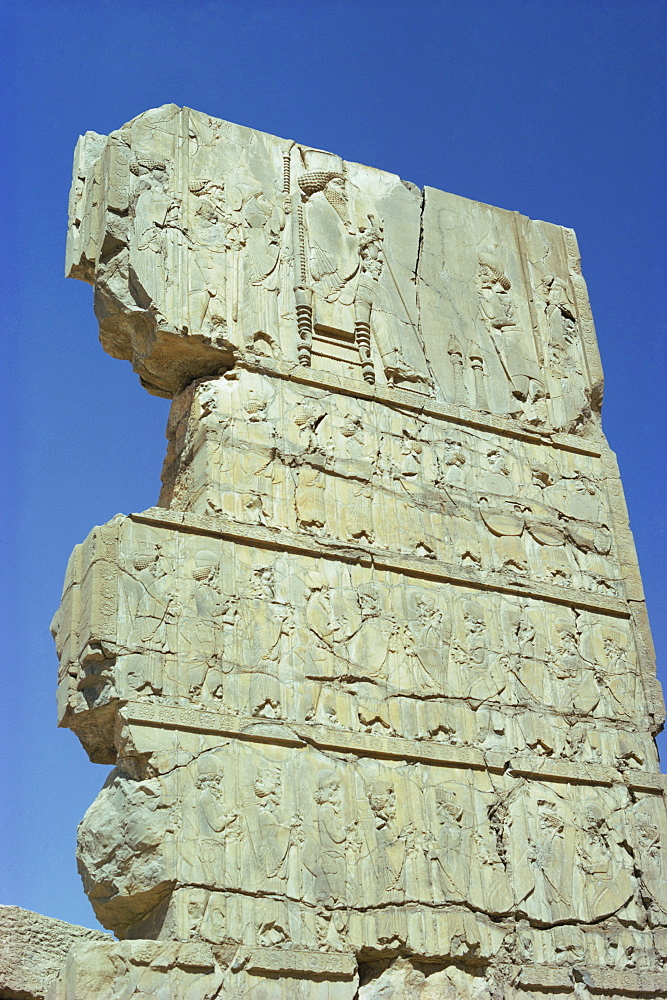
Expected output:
{"points": [[376, 675]]}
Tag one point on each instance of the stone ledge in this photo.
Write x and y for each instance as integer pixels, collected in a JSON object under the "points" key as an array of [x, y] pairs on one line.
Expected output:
{"points": [[326, 964], [368, 744], [430, 569], [543, 977], [419, 402]]}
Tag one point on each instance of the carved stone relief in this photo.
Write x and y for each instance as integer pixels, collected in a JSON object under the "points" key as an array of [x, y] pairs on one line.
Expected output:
{"points": [[212, 242], [502, 289], [376, 676], [312, 461], [264, 633]]}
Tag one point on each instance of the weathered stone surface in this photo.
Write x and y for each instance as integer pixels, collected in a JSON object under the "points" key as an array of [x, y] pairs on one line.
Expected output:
{"points": [[156, 608], [138, 969], [33, 950], [357, 471], [411, 981], [208, 242], [376, 675], [195, 971]]}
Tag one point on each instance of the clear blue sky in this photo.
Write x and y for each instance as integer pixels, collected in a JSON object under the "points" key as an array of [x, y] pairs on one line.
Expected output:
{"points": [[554, 109]]}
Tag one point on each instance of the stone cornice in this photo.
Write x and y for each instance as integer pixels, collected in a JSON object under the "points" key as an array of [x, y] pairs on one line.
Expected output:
{"points": [[428, 569], [168, 715]]}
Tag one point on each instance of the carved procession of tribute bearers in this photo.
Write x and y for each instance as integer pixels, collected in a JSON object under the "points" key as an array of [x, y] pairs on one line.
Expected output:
{"points": [[376, 674]]}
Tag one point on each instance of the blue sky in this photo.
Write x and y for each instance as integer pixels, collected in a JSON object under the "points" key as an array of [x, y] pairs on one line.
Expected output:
{"points": [[554, 109]]}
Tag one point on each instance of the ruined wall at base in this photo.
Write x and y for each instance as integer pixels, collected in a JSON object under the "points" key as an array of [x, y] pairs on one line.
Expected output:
{"points": [[376, 674]]}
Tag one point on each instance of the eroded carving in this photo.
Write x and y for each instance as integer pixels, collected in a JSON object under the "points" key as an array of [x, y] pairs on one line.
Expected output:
{"points": [[375, 678]]}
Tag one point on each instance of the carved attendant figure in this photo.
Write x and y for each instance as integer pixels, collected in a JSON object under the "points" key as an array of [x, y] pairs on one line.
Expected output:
{"points": [[507, 339]]}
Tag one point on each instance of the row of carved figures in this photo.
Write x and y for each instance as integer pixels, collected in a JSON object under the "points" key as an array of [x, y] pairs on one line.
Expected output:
{"points": [[360, 835], [334, 250]]}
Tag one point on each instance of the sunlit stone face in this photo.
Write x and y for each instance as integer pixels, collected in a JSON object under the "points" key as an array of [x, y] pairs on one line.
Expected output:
{"points": [[376, 674]]}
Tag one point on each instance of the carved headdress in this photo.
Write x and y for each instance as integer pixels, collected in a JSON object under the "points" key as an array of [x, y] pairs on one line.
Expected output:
{"points": [[321, 168], [488, 262], [316, 180]]}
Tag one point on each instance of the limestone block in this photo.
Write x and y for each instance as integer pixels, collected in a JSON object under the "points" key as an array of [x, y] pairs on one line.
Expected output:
{"points": [[505, 315], [268, 451], [276, 821], [607, 945], [280, 250], [151, 610], [208, 242], [410, 981], [330, 839], [285, 823], [376, 675], [33, 950], [414, 981], [111, 970]]}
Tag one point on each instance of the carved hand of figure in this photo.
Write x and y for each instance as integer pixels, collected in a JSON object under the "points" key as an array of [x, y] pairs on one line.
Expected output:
{"points": [[227, 819]]}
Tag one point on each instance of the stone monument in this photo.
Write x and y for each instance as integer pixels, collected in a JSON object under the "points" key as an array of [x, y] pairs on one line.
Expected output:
{"points": [[375, 674]]}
